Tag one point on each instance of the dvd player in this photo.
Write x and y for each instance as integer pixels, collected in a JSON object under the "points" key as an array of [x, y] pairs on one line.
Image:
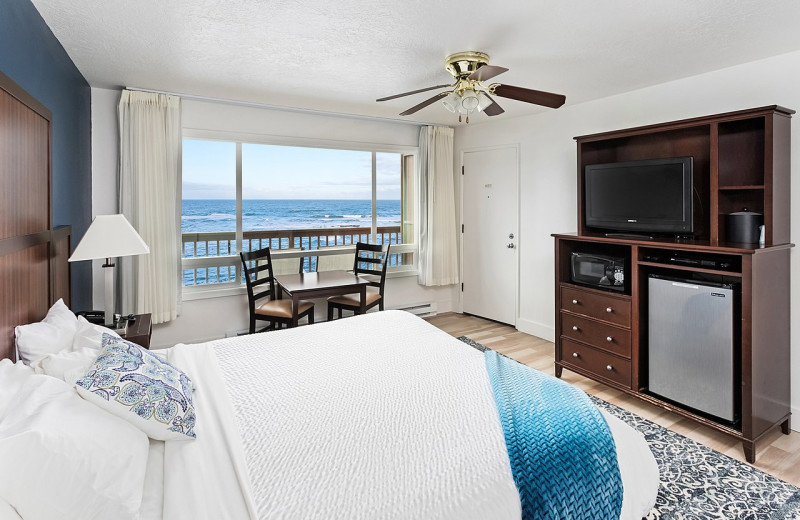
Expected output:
{"points": [[690, 261]]}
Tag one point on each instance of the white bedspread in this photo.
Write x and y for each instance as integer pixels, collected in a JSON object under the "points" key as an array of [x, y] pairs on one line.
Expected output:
{"points": [[377, 416]]}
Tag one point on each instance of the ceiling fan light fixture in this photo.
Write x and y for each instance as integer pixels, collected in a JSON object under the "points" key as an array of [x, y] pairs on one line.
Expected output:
{"points": [[451, 102], [469, 93], [483, 101], [469, 101]]}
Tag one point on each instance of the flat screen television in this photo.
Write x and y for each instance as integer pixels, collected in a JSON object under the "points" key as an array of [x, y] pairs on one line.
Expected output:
{"points": [[652, 196]]}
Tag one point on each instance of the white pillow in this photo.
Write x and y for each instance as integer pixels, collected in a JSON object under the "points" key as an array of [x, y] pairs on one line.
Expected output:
{"points": [[12, 375], [90, 335], [67, 365], [133, 383], [64, 458], [53, 334]]}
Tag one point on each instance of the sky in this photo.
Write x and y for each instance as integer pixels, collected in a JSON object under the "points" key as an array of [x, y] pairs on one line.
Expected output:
{"points": [[286, 172]]}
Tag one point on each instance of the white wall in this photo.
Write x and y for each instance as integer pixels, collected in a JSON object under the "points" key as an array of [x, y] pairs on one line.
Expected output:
{"points": [[548, 164], [212, 318], [105, 171]]}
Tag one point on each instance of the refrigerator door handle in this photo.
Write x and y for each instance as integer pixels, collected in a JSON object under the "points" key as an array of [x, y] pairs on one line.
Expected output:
{"points": [[686, 285]]}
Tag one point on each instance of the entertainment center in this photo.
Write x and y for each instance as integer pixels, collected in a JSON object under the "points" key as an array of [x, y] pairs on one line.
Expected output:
{"points": [[687, 321]]}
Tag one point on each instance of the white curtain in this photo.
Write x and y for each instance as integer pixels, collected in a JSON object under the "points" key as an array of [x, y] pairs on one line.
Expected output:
{"points": [[150, 181], [438, 239]]}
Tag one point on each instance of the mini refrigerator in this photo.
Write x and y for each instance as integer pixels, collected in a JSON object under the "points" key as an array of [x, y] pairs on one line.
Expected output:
{"points": [[691, 338]]}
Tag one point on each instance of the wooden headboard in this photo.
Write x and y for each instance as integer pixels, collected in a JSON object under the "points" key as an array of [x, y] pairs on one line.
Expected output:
{"points": [[34, 272]]}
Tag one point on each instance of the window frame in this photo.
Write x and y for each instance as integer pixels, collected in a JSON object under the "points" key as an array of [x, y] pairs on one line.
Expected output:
{"points": [[195, 292]]}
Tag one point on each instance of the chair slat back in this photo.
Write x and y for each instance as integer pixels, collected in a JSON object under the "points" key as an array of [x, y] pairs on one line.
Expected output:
{"points": [[372, 259], [253, 277]]}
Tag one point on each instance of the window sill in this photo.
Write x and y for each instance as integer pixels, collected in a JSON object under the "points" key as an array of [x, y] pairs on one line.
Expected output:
{"points": [[197, 293], [402, 273]]}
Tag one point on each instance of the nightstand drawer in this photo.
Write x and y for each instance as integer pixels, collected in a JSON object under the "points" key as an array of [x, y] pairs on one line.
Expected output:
{"points": [[599, 363], [598, 306], [601, 335]]}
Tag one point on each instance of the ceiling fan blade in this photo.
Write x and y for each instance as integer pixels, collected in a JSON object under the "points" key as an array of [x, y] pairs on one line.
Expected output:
{"points": [[494, 109], [425, 103], [413, 92], [486, 72], [537, 97]]}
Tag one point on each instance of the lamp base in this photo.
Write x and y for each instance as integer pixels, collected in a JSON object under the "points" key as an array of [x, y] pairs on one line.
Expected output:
{"points": [[108, 267]]}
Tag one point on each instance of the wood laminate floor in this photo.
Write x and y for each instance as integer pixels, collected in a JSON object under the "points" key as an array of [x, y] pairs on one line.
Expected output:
{"points": [[777, 454]]}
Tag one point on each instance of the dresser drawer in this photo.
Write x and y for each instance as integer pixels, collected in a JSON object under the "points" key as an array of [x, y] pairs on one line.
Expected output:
{"points": [[600, 335], [599, 363], [598, 306]]}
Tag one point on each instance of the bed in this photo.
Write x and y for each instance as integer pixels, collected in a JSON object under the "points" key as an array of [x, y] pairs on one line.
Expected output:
{"points": [[400, 408], [375, 416]]}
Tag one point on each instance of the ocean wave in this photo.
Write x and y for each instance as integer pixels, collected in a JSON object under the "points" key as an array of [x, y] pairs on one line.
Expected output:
{"points": [[330, 215], [210, 216], [206, 218]]}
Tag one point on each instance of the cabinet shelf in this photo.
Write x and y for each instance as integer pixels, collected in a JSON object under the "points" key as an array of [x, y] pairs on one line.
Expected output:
{"points": [[690, 268], [746, 187]]}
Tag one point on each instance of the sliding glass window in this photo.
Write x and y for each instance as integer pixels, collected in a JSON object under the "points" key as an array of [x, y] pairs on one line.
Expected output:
{"points": [[301, 201]]}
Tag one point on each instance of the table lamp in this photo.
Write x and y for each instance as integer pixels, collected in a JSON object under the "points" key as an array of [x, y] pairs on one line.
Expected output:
{"points": [[109, 236]]}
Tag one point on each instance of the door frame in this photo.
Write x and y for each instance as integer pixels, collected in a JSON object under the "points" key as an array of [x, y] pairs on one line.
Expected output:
{"points": [[516, 147]]}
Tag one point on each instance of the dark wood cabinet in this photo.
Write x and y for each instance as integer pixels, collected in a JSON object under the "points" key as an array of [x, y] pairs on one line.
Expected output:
{"points": [[741, 159]]}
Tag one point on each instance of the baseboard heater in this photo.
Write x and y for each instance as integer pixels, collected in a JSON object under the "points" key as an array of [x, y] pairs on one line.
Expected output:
{"points": [[420, 309]]}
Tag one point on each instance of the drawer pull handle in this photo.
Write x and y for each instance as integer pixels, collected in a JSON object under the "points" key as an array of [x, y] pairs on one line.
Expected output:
{"points": [[575, 354], [609, 367], [574, 302], [609, 339], [609, 309], [575, 328]]}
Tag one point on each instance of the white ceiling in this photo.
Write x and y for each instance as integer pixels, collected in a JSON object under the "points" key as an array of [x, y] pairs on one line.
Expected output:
{"points": [[340, 55]]}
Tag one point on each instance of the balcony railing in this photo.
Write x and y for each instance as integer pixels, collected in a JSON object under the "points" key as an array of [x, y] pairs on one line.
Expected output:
{"points": [[212, 258]]}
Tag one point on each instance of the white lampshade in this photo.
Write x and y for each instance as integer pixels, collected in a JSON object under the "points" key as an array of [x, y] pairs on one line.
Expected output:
{"points": [[483, 101], [469, 101], [451, 101], [109, 236]]}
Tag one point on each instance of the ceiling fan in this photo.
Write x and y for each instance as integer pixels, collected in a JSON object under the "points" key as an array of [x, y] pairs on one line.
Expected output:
{"points": [[468, 93]]}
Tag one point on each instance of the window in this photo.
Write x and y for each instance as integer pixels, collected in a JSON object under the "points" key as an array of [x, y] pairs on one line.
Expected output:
{"points": [[301, 201]]}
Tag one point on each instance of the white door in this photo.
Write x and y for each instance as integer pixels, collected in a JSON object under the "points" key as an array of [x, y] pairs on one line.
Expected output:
{"points": [[490, 214]]}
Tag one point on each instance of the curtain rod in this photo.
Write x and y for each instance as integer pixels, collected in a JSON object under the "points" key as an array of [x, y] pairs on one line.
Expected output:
{"points": [[281, 108]]}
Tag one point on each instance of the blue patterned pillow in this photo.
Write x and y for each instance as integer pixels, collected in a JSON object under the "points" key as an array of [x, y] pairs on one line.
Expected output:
{"points": [[137, 385]]}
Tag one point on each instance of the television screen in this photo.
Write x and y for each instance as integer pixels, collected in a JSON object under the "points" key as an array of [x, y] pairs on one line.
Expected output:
{"points": [[649, 196]]}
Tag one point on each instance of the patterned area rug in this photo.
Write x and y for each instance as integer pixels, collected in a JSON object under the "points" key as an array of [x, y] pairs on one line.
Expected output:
{"points": [[700, 483]]}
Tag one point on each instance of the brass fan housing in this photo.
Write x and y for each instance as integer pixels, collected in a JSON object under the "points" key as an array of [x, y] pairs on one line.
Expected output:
{"points": [[462, 64]]}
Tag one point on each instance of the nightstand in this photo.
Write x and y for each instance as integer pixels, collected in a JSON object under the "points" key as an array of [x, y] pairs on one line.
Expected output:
{"points": [[139, 331]]}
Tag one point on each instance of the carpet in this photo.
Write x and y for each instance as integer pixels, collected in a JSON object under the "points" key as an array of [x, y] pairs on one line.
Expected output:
{"points": [[700, 483]]}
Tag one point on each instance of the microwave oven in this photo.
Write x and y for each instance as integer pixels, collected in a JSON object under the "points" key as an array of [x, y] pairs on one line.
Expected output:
{"points": [[600, 271]]}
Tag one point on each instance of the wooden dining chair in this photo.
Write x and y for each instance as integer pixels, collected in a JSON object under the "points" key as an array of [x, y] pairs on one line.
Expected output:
{"points": [[370, 260], [265, 305]]}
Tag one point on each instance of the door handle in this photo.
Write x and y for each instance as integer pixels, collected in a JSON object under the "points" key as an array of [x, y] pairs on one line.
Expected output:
{"points": [[511, 246]]}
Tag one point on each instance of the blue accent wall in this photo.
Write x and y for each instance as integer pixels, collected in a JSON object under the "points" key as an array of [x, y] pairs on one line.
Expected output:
{"points": [[32, 56]]}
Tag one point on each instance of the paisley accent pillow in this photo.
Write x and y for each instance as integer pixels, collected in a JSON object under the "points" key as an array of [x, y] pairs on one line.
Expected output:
{"points": [[137, 385]]}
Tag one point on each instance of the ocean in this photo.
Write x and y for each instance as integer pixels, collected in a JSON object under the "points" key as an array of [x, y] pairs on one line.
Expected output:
{"points": [[199, 216], [220, 215]]}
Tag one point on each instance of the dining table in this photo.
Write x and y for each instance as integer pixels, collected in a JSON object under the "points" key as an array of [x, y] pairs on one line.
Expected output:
{"points": [[321, 284]]}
